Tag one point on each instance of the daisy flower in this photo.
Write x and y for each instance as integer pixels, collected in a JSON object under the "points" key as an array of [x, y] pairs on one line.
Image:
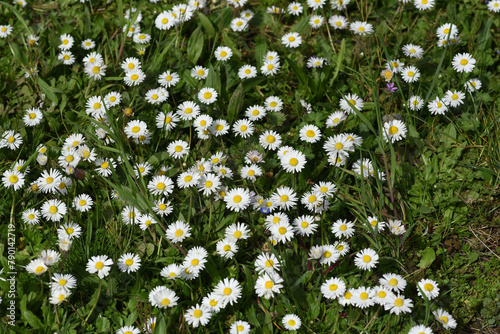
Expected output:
{"points": [[351, 99], [282, 232], [454, 98], [310, 133], [162, 208], [66, 57], [376, 224], [333, 288], [447, 30], [142, 38], [239, 24], [290, 321], [270, 67], [95, 71], [473, 85], [13, 179], [195, 260], [162, 297], [49, 257], [198, 314], [339, 4], [343, 228], [394, 130], [105, 166], [237, 231], [315, 62], [361, 28], [129, 262], [316, 21], [171, 272], [229, 290], [145, 221], [268, 284], [494, 6], [199, 72], [11, 140], [243, 128], [69, 230], [32, 40], [37, 267], [223, 53], [99, 264], [219, 127], [209, 183], [295, 8], [31, 216], [134, 77], [237, 199], [463, 62], [415, 103], [178, 149], [130, 215], [161, 185], [423, 4], [292, 39], [213, 302], [273, 103], [329, 255], [251, 172], [66, 42], [393, 282], [168, 79], [437, 107], [82, 202], [429, 288], [362, 297], [53, 210], [410, 74], [267, 262], [128, 330], [178, 231], [270, 140], [188, 179], [156, 96], [237, 3], [227, 248], [381, 295], [338, 144], [112, 99], [247, 71], [135, 128], [335, 119], [188, 110], [366, 259], [338, 22], [341, 247], [396, 227], [64, 282], [240, 327], [88, 44], [304, 225], [293, 162], [202, 122], [255, 113], [445, 319], [413, 51], [285, 198], [398, 304], [420, 329], [32, 117], [207, 95]]}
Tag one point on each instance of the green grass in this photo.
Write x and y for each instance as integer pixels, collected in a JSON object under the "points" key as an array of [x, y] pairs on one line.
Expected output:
{"points": [[441, 180]]}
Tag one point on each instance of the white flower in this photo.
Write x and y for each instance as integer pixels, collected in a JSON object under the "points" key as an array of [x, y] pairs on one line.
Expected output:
{"points": [[168, 79], [415, 103], [295, 8], [366, 259], [227, 248], [338, 21], [291, 40], [207, 95], [333, 288], [99, 264], [134, 77], [129, 262], [463, 62], [239, 24], [437, 107], [421, 329], [429, 288], [361, 28], [229, 290], [162, 297], [398, 304], [423, 4], [394, 130], [237, 231], [178, 149], [223, 53], [310, 133], [454, 98], [343, 228], [268, 284], [198, 314], [255, 113], [393, 282], [413, 51], [270, 67], [285, 198], [293, 162], [410, 74], [351, 101], [270, 140], [247, 71], [445, 319], [237, 199], [291, 321], [335, 119]]}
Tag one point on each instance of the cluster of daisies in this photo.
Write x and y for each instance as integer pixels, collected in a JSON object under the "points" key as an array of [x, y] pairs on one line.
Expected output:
{"points": [[448, 34], [212, 177]]}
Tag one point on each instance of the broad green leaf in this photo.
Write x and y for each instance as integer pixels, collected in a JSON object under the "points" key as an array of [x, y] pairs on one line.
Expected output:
{"points": [[236, 103], [47, 90], [195, 45], [428, 256]]}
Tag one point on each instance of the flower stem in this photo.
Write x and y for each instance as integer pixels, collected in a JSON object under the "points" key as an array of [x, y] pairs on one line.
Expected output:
{"points": [[95, 303]]}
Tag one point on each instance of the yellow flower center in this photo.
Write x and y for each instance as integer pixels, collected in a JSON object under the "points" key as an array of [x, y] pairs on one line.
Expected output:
{"points": [[237, 234], [269, 284], [195, 262], [208, 184], [227, 248], [361, 29], [464, 62], [294, 161], [207, 95], [270, 139], [454, 96], [411, 73], [398, 302], [367, 258], [393, 130], [273, 104], [382, 294], [444, 319], [282, 230], [343, 227], [223, 53], [284, 198], [62, 282], [393, 282], [164, 20], [247, 71], [178, 148], [428, 287], [134, 77], [363, 296], [291, 38], [13, 179], [333, 287], [347, 295], [197, 313], [213, 302], [129, 262], [66, 57], [39, 269], [53, 209], [339, 146], [227, 291], [162, 207], [239, 23], [237, 198], [219, 127], [291, 322], [160, 186], [165, 302], [99, 265], [327, 254]]}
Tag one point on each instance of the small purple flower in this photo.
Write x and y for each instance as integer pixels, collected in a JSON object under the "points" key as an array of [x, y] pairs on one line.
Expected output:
{"points": [[391, 88]]}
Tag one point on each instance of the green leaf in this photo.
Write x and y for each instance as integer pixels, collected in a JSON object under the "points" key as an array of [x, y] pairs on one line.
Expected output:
{"points": [[300, 75], [207, 25], [47, 90], [236, 103], [195, 45], [260, 49], [428, 256], [102, 324], [472, 257], [32, 319]]}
